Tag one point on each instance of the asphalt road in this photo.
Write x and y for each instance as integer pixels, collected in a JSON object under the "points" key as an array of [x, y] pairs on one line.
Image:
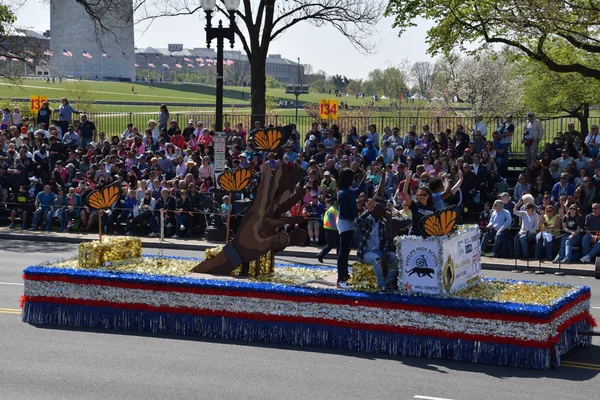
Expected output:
{"points": [[45, 363]]}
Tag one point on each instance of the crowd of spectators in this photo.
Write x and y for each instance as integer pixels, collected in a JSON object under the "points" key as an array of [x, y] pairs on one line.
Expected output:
{"points": [[48, 166]]}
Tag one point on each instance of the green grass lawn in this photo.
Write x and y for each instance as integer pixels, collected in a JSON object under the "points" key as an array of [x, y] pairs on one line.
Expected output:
{"points": [[115, 91]]}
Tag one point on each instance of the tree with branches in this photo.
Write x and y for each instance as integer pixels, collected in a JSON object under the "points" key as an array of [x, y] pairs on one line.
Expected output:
{"points": [[563, 35], [238, 73], [260, 22], [422, 73]]}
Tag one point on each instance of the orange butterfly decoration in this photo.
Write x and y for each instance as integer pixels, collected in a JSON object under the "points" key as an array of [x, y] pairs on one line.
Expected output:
{"points": [[235, 181], [269, 139], [104, 198], [439, 224]]}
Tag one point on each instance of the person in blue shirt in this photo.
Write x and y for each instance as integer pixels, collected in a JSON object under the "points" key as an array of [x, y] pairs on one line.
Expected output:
{"points": [[370, 152], [497, 228], [43, 202]]}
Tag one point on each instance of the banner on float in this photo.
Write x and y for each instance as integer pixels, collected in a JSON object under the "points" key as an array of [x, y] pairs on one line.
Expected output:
{"points": [[441, 264], [420, 265], [461, 259]]}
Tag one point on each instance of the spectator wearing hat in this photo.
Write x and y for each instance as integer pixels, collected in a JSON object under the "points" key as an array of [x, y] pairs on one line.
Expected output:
{"points": [[329, 183], [369, 152], [497, 229], [188, 131]]}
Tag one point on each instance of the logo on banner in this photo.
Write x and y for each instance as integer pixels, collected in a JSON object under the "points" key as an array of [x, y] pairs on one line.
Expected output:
{"points": [[420, 261], [448, 274]]}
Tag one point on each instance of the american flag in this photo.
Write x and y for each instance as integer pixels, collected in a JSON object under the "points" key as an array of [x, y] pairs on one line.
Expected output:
{"points": [[67, 53], [158, 56], [199, 59], [86, 54], [151, 65], [178, 65], [201, 65], [186, 59], [125, 56], [104, 54], [48, 53], [2, 58], [142, 56], [190, 65], [30, 60], [137, 65], [165, 65]]}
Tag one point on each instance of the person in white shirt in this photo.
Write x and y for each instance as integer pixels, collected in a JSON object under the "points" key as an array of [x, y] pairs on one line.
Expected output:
{"points": [[479, 126], [128, 132], [533, 129]]}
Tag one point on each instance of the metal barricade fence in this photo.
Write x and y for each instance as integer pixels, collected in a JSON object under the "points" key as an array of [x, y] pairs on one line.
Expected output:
{"points": [[115, 123]]}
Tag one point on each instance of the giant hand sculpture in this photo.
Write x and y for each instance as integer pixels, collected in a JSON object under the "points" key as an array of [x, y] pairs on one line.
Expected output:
{"points": [[258, 231]]}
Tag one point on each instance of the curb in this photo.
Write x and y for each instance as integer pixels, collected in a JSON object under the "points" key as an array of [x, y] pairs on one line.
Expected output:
{"points": [[147, 244], [287, 253]]}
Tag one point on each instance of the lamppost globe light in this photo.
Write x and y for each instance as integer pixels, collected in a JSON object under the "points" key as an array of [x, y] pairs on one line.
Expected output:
{"points": [[232, 5], [208, 5]]}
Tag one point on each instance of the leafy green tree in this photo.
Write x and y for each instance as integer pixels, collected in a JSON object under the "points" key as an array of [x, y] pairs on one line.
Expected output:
{"points": [[551, 92], [354, 85], [562, 35], [273, 83], [339, 82]]}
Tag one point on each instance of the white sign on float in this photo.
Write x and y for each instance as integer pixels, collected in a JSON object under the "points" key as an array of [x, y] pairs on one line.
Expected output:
{"points": [[220, 147], [461, 260], [441, 264], [419, 263]]}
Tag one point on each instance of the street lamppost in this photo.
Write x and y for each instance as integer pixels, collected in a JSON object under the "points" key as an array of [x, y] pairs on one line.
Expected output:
{"points": [[220, 33]]}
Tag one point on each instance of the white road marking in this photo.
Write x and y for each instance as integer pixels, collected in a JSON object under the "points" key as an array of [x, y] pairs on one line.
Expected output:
{"points": [[429, 398], [11, 283], [598, 308]]}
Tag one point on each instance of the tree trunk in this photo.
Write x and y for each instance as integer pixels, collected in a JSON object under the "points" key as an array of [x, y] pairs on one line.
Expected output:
{"points": [[583, 118], [258, 86]]}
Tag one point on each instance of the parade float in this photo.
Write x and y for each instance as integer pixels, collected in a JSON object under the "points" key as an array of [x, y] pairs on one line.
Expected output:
{"points": [[444, 308]]}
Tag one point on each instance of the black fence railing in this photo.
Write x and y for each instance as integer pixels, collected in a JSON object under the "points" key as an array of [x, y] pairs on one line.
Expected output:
{"points": [[114, 123]]}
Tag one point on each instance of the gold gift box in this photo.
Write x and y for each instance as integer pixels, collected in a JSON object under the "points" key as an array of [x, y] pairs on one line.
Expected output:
{"points": [[363, 277], [95, 253]]}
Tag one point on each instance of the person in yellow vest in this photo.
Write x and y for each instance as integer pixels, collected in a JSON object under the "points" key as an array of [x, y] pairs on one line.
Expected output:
{"points": [[330, 227]]}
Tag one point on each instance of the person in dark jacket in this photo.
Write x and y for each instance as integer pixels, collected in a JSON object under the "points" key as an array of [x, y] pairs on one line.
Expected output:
{"points": [[348, 211], [167, 203], [44, 114], [184, 208]]}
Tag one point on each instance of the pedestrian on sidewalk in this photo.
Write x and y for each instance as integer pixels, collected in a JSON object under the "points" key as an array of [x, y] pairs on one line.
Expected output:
{"points": [[332, 236]]}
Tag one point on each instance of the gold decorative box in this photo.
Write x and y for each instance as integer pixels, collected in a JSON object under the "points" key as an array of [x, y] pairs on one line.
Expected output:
{"points": [[96, 253]]}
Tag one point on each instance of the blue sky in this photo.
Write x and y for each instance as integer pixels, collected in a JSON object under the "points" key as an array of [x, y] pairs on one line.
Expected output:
{"points": [[324, 48]]}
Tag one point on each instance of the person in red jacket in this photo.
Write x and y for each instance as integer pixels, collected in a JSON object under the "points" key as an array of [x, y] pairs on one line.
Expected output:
{"points": [[177, 139]]}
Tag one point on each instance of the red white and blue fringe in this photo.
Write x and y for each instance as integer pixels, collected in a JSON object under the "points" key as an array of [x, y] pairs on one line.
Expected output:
{"points": [[519, 335]]}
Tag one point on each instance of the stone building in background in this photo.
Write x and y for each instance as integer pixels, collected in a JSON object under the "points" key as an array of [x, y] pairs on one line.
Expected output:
{"points": [[72, 30]]}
